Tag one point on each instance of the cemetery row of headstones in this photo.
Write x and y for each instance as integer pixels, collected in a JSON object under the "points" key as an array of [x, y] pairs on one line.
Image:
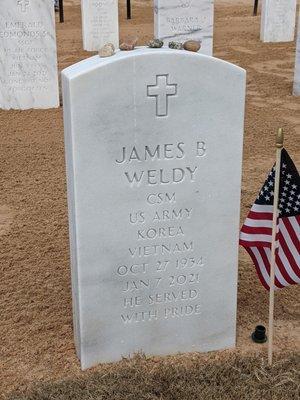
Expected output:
{"points": [[28, 72], [174, 20], [179, 20]]}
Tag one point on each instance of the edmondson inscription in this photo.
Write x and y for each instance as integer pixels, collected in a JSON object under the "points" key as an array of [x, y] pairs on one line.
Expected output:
{"points": [[163, 255], [28, 61]]}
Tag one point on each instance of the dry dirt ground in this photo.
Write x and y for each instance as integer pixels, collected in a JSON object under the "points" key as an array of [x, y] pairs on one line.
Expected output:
{"points": [[36, 345]]}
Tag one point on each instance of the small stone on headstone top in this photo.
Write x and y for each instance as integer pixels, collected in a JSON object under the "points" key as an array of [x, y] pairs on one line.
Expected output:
{"points": [[107, 50], [175, 45], [129, 43], [192, 45], [155, 43]]}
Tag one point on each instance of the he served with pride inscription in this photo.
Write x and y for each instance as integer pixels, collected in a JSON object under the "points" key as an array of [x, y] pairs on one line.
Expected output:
{"points": [[154, 153]]}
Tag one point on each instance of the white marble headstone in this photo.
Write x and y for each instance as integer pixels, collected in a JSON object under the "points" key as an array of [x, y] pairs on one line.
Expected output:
{"points": [[181, 20], [28, 59], [296, 89], [100, 23], [278, 19], [154, 152]]}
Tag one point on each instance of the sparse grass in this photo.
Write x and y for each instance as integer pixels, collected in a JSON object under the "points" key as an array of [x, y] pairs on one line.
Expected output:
{"points": [[180, 378]]}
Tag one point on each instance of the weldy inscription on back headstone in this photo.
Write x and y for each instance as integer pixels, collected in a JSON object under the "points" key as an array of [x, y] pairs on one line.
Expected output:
{"points": [[181, 20], [154, 150], [278, 20], [28, 62], [99, 23]]}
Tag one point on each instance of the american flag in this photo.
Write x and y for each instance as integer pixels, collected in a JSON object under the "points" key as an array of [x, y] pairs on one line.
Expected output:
{"points": [[256, 233]]}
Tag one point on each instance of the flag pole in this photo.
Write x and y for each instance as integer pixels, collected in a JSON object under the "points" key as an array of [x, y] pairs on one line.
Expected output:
{"points": [[279, 146]]}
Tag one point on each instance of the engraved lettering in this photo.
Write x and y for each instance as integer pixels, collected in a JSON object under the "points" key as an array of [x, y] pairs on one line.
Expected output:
{"points": [[159, 198], [161, 249], [201, 149], [140, 316], [138, 217], [154, 233]]}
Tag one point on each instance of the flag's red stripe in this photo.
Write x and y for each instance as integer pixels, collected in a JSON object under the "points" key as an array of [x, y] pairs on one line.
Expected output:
{"points": [[258, 271], [289, 227], [268, 267], [256, 230], [247, 243], [259, 215], [288, 254], [283, 271]]}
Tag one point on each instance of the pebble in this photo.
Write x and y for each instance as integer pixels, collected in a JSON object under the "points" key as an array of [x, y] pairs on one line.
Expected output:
{"points": [[129, 43], [155, 44], [107, 50], [192, 45], [175, 45]]}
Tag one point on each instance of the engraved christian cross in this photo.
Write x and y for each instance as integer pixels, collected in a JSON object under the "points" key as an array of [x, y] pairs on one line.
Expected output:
{"points": [[23, 4], [162, 90]]}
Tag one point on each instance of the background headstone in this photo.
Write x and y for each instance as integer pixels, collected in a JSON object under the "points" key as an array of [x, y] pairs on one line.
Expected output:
{"points": [[154, 198], [100, 23], [181, 20], [278, 18], [296, 89], [28, 59]]}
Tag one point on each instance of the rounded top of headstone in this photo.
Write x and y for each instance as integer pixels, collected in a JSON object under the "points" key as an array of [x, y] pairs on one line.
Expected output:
{"points": [[95, 62]]}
